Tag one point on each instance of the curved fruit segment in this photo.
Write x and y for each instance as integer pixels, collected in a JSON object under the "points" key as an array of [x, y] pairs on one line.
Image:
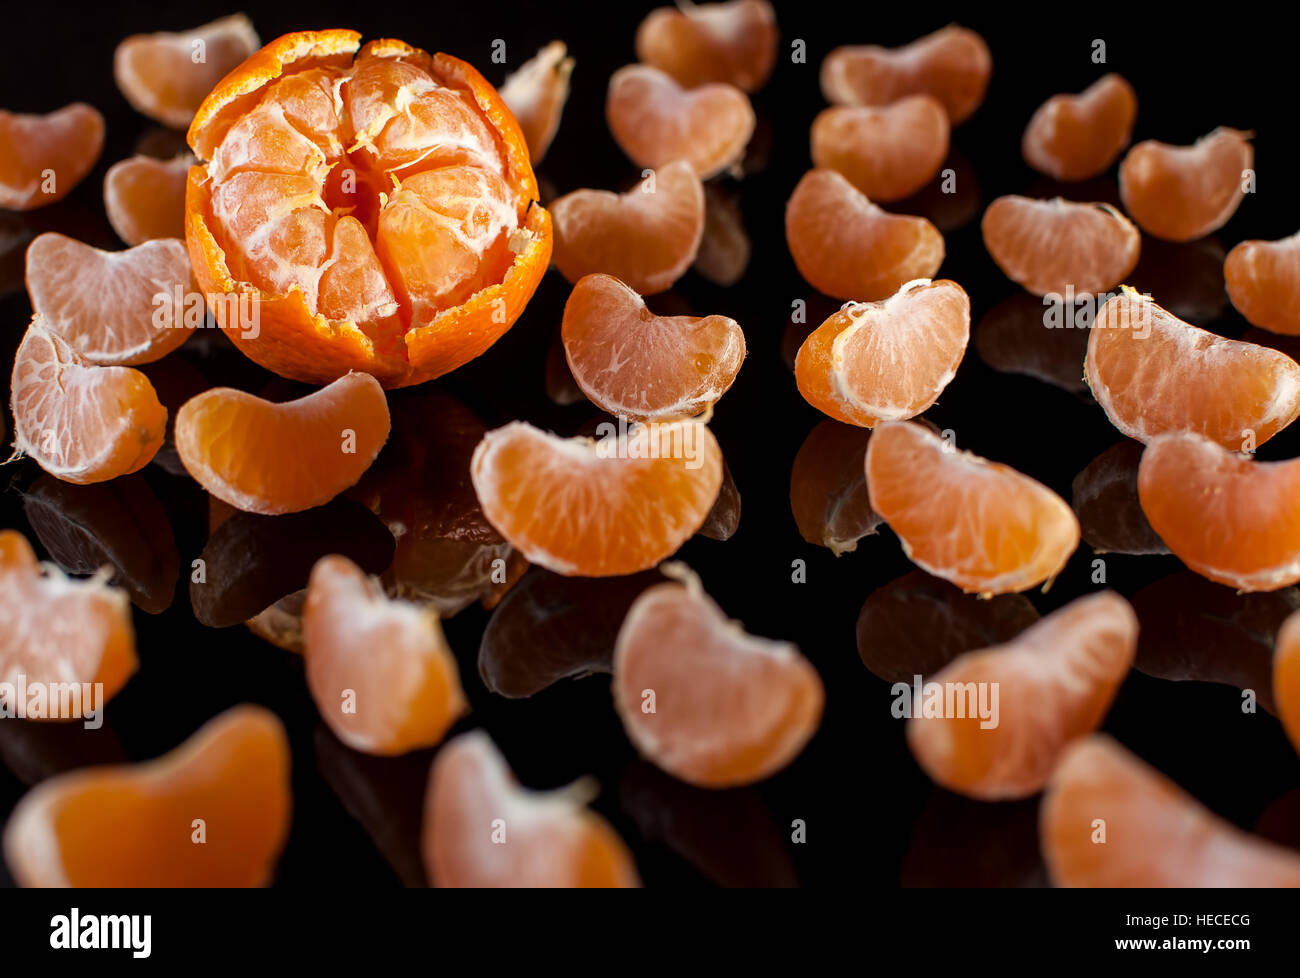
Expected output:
{"points": [[637, 365], [704, 700], [655, 121], [888, 153], [1286, 677], [1155, 834], [733, 42], [1263, 279], [163, 76], [55, 629], [380, 671], [982, 525], [481, 829], [112, 307], [535, 95], [81, 423], [1225, 516], [281, 458], [1180, 193], [828, 487], [886, 361], [1060, 247], [848, 247], [647, 237], [952, 64], [145, 198], [377, 208], [598, 508], [1021, 704], [134, 825], [42, 157], [1077, 137], [1152, 373]]}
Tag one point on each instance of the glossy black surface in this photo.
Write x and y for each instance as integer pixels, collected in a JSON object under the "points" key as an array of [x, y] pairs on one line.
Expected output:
{"points": [[873, 819]]}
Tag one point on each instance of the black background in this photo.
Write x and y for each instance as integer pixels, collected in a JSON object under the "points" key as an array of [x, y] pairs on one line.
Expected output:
{"points": [[865, 802]]}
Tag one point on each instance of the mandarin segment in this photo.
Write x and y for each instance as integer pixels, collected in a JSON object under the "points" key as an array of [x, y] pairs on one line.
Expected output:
{"points": [[733, 42], [1181, 193], [145, 197], [886, 361], [378, 208], [953, 64], [1060, 247], [380, 671], [637, 365], [598, 508], [282, 458], [81, 423], [482, 829], [535, 94], [56, 629], [647, 237], [655, 121], [112, 307], [1286, 677], [1054, 683], [984, 526], [728, 708], [42, 157], [848, 247], [1227, 517], [132, 825], [1152, 373], [1263, 280], [1156, 834], [888, 153], [1077, 137], [828, 487]]}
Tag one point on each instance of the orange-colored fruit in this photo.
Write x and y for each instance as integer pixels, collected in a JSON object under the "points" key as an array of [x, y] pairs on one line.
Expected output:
{"points": [[726, 708], [634, 364], [848, 247], [535, 95], [281, 458], [598, 508], [112, 307], [145, 197], [380, 212], [1060, 247], [1053, 684], [167, 75], [133, 825], [81, 423], [55, 629], [655, 121], [1286, 677], [828, 487], [1180, 193], [648, 236], [1156, 834], [1077, 137], [1263, 279], [1231, 519], [888, 153], [551, 839], [952, 64], [1152, 373], [733, 42], [380, 671], [982, 525], [886, 361], [917, 624], [1105, 498], [42, 157]]}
